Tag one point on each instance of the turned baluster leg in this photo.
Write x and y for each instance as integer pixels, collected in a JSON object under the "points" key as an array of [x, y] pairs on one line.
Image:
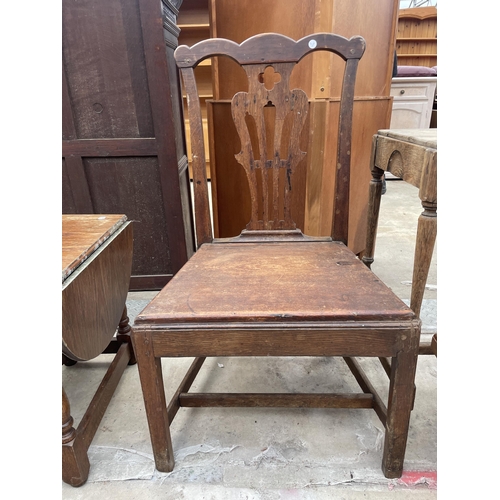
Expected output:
{"points": [[67, 361], [426, 238], [123, 334], [68, 431], [150, 374], [75, 462], [374, 196], [426, 231], [400, 404]]}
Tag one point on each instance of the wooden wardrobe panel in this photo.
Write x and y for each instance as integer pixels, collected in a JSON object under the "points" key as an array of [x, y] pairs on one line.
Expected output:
{"points": [[318, 75], [135, 184], [319, 200], [105, 69], [260, 17], [376, 23], [123, 140]]}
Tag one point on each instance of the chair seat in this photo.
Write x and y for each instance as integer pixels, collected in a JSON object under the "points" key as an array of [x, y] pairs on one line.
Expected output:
{"points": [[274, 282]]}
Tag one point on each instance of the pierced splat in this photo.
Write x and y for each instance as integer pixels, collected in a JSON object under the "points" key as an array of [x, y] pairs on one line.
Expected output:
{"points": [[270, 141], [269, 78]]}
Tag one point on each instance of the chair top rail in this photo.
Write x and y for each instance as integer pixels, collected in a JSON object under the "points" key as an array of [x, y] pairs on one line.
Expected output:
{"points": [[269, 48]]}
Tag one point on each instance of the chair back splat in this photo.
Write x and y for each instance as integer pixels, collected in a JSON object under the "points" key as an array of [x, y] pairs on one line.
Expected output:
{"points": [[269, 157]]}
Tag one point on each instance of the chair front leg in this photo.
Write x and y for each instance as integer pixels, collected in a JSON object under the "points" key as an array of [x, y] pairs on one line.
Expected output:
{"points": [[400, 405], [153, 391]]}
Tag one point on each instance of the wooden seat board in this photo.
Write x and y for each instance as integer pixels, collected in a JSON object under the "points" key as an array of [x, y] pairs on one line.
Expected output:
{"points": [[274, 282]]}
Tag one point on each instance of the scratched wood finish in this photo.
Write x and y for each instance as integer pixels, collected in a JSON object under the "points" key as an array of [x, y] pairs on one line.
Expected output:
{"points": [[95, 250], [123, 143], [259, 282], [272, 291], [81, 236], [276, 400]]}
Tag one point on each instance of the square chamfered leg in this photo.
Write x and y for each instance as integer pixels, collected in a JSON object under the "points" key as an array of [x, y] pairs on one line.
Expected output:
{"points": [[153, 391], [400, 405]]}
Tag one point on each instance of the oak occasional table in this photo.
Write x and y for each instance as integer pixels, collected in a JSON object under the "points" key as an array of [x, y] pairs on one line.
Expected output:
{"points": [[410, 154], [96, 268]]}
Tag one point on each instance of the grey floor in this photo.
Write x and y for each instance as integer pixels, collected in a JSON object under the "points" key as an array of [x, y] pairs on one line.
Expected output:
{"points": [[268, 454]]}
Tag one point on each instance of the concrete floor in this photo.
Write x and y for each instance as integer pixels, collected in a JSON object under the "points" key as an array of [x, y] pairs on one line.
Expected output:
{"points": [[268, 454]]}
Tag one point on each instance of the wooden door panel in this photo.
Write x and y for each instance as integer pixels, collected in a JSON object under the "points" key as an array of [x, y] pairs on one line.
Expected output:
{"points": [[123, 143], [105, 69], [133, 183], [67, 195]]}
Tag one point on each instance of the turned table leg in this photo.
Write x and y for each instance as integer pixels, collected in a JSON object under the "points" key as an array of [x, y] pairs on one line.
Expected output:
{"points": [[426, 230], [75, 462], [374, 196], [426, 238], [123, 334]]}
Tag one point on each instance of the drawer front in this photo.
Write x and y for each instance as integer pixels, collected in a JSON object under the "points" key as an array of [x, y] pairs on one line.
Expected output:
{"points": [[413, 90]]}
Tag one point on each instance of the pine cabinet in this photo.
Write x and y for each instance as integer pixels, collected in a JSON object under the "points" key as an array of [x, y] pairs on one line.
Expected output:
{"points": [[413, 101]]}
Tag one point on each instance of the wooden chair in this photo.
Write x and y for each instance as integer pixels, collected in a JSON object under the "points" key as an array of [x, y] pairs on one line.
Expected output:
{"points": [[273, 291]]}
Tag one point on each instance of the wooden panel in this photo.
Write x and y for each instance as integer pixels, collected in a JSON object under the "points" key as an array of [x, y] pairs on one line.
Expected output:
{"points": [[134, 184], [193, 13], [260, 17], [224, 339], [318, 75], [123, 144], [105, 70], [376, 23], [296, 18], [368, 115], [67, 195]]}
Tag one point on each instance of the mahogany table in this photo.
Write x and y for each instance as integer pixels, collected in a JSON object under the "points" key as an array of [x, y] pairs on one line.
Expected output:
{"points": [[96, 268], [410, 154]]}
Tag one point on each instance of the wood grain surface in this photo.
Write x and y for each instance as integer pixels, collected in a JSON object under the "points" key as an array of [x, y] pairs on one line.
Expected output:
{"points": [[273, 282], [82, 235], [97, 263]]}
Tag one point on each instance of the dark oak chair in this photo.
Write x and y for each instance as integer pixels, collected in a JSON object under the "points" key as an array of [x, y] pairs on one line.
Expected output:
{"points": [[273, 291]]}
